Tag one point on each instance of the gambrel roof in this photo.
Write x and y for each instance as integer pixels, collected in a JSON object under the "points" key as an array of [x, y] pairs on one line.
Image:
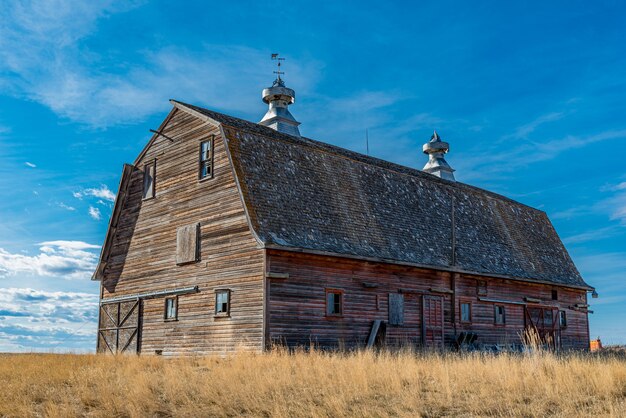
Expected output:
{"points": [[305, 195]]}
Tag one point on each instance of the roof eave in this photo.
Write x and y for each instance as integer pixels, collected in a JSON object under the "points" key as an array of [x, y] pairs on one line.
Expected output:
{"points": [[450, 269]]}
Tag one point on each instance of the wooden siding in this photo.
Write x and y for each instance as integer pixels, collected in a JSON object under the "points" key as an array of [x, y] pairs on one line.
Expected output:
{"points": [[144, 248], [297, 316]]}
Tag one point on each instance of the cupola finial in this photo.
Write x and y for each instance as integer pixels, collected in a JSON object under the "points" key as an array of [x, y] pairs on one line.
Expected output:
{"points": [[437, 164], [279, 97]]}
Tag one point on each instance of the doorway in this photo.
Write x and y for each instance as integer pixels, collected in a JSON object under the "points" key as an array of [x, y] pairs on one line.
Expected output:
{"points": [[118, 330], [432, 322]]}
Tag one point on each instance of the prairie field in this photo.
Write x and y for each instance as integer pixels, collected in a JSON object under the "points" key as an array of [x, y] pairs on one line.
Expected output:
{"points": [[313, 384]]}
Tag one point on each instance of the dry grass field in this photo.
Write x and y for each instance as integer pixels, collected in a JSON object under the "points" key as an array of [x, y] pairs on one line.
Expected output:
{"points": [[314, 384]]}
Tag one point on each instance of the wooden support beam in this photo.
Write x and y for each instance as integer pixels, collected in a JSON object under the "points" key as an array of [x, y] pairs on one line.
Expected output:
{"points": [[373, 333], [273, 275]]}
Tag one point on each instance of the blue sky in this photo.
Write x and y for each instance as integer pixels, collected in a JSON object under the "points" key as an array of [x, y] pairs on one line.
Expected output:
{"points": [[531, 97]]}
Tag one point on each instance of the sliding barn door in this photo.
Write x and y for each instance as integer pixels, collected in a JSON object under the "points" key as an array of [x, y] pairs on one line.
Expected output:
{"points": [[432, 322], [118, 331]]}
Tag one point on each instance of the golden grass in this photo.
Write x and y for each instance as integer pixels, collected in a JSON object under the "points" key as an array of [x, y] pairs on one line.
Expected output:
{"points": [[315, 384]]}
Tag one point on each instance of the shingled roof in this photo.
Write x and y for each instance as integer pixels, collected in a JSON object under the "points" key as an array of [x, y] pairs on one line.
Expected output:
{"points": [[307, 195]]}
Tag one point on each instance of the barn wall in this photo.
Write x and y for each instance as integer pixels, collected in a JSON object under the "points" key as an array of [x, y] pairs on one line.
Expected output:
{"points": [[144, 249], [297, 306]]}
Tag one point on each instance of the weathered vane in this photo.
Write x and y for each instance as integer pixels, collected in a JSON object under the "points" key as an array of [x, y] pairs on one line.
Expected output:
{"points": [[278, 81]]}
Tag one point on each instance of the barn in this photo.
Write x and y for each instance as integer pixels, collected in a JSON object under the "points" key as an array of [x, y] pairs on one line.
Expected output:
{"points": [[229, 235]]}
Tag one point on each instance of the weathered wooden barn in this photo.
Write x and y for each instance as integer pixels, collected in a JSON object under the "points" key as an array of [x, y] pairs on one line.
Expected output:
{"points": [[228, 235]]}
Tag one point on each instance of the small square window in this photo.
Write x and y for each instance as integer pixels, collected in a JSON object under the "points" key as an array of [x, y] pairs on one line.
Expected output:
{"points": [[206, 159], [555, 295], [499, 315], [171, 309], [222, 302], [466, 312], [334, 302], [562, 319]]}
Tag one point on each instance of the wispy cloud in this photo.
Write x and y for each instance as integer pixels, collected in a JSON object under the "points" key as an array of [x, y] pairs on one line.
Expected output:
{"points": [[79, 84], [525, 130], [615, 204], [63, 259], [66, 207], [593, 235], [495, 161], [31, 165], [95, 213]]}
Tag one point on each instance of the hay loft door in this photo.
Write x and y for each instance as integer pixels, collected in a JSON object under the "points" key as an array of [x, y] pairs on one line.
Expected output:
{"points": [[118, 331], [432, 322]]}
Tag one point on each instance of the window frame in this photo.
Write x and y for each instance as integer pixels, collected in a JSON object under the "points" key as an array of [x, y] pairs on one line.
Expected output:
{"points": [[471, 311], [151, 163], [339, 292], [228, 302], [175, 317], [562, 319], [210, 161], [482, 288], [495, 315]]}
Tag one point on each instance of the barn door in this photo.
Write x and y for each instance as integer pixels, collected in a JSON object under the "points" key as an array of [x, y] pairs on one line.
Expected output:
{"points": [[119, 327], [545, 322], [432, 322]]}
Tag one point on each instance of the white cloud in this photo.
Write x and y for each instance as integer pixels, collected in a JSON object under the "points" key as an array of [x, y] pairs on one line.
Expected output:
{"points": [[31, 165], [43, 320], [64, 206], [95, 213], [64, 259], [102, 192]]}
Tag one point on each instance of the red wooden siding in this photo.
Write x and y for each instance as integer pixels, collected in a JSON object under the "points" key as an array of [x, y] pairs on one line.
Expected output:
{"points": [[296, 305]]}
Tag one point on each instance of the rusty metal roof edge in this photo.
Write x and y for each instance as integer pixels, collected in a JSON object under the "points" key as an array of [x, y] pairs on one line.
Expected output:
{"points": [[424, 266]]}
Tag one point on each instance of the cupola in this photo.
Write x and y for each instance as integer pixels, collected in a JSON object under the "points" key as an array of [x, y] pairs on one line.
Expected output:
{"points": [[437, 164], [279, 97]]}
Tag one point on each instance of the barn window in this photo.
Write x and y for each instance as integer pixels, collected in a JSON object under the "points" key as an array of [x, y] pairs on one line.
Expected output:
{"points": [[149, 178], [562, 319], [548, 318], [206, 159], [481, 288], [396, 309], [466, 312], [222, 302], [171, 308], [188, 244], [555, 294], [334, 302], [499, 315]]}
